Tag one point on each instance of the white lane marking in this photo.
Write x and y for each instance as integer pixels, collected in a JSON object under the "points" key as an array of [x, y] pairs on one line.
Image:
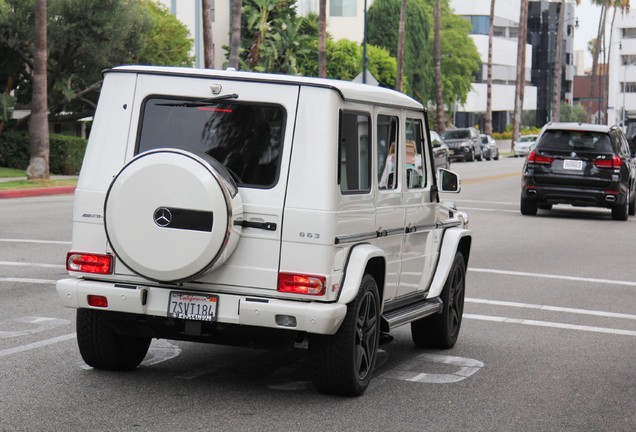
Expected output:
{"points": [[35, 241], [30, 325], [28, 264], [35, 345], [551, 324], [410, 370], [550, 276], [27, 280], [552, 308], [160, 351]]}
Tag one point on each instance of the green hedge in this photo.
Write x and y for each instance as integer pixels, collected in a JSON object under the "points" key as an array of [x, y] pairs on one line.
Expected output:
{"points": [[65, 153]]}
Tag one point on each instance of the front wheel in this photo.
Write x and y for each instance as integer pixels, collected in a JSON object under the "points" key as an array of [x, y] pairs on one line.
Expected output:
{"points": [[442, 330], [342, 364], [102, 347]]}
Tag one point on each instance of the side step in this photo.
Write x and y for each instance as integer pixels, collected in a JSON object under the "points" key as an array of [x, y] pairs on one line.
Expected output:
{"points": [[411, 313]]}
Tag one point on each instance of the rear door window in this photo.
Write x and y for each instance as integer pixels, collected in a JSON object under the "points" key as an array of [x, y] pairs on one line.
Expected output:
{"points": [[246, 138]]}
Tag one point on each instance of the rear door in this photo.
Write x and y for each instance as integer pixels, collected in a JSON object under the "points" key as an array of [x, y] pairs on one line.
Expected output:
{"points": [[246, 126]]}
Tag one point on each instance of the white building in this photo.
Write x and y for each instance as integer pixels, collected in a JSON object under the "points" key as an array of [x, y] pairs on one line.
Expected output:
{"points": [[506, 23], [622, 71]]}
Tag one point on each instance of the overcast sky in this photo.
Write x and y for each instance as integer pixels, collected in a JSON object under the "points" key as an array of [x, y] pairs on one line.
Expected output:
{"points": [[588, 16]]}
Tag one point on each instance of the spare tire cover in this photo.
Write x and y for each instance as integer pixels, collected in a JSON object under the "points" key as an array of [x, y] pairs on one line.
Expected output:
{"points": [[169, 214]]}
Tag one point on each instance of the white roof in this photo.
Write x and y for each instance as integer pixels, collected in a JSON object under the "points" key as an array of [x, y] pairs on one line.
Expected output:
{"points": [[349, 91]]}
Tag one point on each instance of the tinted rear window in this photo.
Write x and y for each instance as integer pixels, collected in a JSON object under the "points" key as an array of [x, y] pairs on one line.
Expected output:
{"points": [[575, 141], [245, 137]]}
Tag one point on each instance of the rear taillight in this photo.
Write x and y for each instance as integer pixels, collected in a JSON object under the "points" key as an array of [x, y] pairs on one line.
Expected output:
{"points": [[614, 162], [89, 263], [535, 158], [301, 284]]}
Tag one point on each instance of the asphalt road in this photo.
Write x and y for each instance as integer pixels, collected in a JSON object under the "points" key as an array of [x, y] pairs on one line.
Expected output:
{"points": [[548, 341]]}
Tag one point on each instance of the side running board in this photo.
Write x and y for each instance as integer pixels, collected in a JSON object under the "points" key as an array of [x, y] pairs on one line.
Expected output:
{"points": [[412, 312]]}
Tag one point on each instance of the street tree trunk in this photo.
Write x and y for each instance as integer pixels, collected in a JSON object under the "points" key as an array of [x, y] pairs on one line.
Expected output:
{"points": [[437, 60], [322, 39], [38, 123], [491, 35], [558, 67], [521, 70], [235, 35], [207, 15], [400, 48]]}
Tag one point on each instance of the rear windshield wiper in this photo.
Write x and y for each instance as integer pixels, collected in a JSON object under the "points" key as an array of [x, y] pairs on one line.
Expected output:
{"points": [[200, 103]]}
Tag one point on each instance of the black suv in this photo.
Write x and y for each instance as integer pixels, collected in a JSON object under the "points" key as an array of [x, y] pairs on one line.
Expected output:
{"points": [[582, 165], [463, 143]]}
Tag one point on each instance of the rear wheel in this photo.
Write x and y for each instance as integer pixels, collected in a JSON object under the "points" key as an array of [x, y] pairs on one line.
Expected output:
{"points": [[102, 347], [528, 207], [620, 212], [441, 330], [632, 205], [342, 364]]}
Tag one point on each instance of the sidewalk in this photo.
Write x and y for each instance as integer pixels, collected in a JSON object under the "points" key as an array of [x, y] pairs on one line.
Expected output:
{"points": [[31, 192]]}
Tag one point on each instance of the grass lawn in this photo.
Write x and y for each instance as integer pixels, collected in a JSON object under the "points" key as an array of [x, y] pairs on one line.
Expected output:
{"points": [[24, 183], [11, 172]]}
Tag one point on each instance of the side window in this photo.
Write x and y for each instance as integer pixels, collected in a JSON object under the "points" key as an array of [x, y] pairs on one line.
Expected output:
{"points": [[354, 173], [387, 133], [415, 155]]}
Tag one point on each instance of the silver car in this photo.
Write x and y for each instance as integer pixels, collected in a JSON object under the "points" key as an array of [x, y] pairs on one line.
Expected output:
{"points": [[489, 147], [524, 145]]}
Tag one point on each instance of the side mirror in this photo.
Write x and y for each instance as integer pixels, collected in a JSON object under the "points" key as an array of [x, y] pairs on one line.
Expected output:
{"points": [[448, 181]]}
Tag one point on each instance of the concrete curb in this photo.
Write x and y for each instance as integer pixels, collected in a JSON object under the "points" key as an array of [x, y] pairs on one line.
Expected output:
{"points": [[31, 192]]}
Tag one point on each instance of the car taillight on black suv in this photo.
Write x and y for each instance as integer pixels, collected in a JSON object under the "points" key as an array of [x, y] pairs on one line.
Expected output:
{"points": [[581, 165]]}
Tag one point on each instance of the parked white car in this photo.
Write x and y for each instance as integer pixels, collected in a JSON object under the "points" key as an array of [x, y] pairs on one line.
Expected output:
{"points": [[524, 145], [240, 208]]}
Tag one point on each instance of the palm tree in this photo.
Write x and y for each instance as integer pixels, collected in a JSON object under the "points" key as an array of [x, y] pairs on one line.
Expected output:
{"points": [[521, 70], [322, 39], [437, 60], [400, 47], [208, 42], [235, 35], [39, 122], [491, 34]]}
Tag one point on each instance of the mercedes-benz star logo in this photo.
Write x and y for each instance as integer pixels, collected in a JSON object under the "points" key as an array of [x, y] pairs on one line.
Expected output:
{"points": [[162, 217]]}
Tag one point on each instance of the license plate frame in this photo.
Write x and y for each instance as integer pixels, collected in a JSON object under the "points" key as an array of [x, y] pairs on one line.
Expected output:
{"points": [[572, 164], [193, 306]]}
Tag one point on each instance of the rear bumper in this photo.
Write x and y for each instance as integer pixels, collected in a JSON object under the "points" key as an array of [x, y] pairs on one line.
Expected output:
{"points": [[587, 197], [311, 317]]}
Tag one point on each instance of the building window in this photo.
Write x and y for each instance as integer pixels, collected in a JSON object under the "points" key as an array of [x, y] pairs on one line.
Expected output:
{"points": [[342, 8], [480, 23], [628, 59], [628, 87], [629, 33]]}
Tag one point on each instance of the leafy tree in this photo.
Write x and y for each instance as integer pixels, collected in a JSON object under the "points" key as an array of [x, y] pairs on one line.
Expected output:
{"points": [[383, 28], [573, 113], [168, 41], [85, 37]]}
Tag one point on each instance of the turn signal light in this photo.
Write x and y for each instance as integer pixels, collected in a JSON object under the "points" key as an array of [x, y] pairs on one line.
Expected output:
{"points": [[89, 263], [535, 158], [301, 284]]}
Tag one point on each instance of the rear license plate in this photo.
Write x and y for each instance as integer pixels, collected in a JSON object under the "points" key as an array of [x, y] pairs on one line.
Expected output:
{"points": [[570, 164], [198, 307]]}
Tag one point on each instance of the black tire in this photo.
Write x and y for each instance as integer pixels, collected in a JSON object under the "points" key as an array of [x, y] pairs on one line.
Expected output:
{"points": [[632, 205], [342, 364], [104, 348], [620, 212], [528, 207], [471, 156], [442, 330]]}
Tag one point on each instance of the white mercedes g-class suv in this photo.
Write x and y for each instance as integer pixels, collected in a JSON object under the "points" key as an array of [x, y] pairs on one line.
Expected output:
{"points": [[242, 208]]}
